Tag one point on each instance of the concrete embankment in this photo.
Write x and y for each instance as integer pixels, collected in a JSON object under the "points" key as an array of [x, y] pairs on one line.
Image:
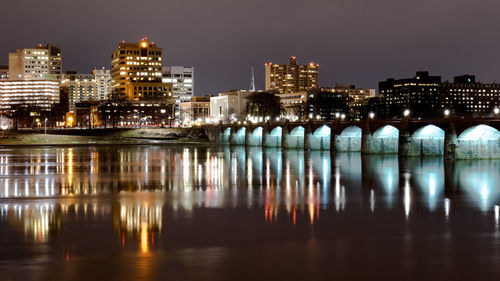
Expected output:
{"points": [[101, 136]]}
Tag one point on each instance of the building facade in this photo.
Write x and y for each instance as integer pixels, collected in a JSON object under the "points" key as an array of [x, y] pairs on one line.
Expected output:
{"points": [[81, 87], [420, 95], [40, 95], [327, 104], [196, 108], [357, 98], [293, 105], [136, 72], [102, 79], [467, 98], [230, 106], [39, 63], [182, 80], [291, 77]]}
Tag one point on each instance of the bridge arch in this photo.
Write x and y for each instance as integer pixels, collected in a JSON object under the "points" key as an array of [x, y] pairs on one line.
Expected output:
{"points": [[478, 142], [320, 139], [226, 135], [295, 138], [239, 136], [349, 139], [255, 137], [385, 140], [273, 139], [428, 141]]}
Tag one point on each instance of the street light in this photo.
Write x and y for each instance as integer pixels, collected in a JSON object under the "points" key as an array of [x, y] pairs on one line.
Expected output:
{"points": [[342, 116], [406, 113], [371, 115], [446, 112], [496, 110], [45, 124]]}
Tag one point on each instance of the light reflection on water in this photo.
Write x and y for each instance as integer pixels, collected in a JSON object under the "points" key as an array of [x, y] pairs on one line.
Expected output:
{"points": [[147, 194]]}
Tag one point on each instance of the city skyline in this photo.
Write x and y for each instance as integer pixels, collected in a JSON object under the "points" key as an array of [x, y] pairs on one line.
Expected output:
{"points": [[358, 42]]}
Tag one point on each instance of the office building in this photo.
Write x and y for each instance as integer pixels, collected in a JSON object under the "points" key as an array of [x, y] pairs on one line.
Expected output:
{"points": [[39, 63], [293, 105], [102, 79], [327, 104], [81, 87], [467, 98], [38, 95], [357, 98], [420, 95], [182, 80], [136, 72], [291, 77]]}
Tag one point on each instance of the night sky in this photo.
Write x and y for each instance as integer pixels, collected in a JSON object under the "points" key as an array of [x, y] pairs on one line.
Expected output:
{"points": [[355, 41]]}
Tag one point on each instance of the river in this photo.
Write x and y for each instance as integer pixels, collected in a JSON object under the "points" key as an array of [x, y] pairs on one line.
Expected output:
{"points": [[208, 212]]}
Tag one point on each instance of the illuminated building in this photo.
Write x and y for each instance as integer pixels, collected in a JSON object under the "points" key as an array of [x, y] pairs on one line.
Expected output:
{"points": [[293, 105], [182, 80], [122, 113], [4, 72], [197, 107], [291, 77], [327, 103], [419, 94], [136, 72], [357, 98], [41, 94], [82, 87], [102, 79], [39, 63], [466, 97], [229, 106]]}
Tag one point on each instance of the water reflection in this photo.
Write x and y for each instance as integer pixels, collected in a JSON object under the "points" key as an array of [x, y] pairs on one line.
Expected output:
{"points": [[37, 221], [295, 181], [140, 207]]}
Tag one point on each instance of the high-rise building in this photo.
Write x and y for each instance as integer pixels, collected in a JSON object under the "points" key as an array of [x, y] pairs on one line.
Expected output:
{"points": [[102, 79], [467, 97], [39, 63], [4, 72], [182, 79], [136, 72], [291, 77], [81, 87]]}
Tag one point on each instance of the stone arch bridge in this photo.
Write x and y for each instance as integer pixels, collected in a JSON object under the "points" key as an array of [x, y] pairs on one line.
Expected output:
{"points": [[453, 138]]}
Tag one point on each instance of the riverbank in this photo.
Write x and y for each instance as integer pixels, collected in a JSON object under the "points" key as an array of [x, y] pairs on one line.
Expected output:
{"points": [[111, 136]]}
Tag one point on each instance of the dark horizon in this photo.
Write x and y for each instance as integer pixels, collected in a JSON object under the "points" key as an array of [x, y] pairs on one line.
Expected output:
{"points": [[356, 42]]}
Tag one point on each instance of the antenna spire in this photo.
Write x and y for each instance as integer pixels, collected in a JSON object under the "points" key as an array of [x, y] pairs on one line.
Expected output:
{"points": [[252, 81]]}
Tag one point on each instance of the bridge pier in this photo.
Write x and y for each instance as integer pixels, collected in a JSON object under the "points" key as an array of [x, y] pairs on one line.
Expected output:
{"points": [[333, 141], [366, 139], [450, 142], [307, 136], [404, 140], [284, 133]]}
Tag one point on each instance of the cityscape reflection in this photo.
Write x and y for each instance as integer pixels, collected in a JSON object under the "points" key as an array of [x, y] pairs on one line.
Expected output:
{"points": [[216, 177], [144, 205]]}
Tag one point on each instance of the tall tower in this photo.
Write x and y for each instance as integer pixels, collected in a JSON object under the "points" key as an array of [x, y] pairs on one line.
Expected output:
{"points": [[252, 81], [292, 77], [136, 72]]}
